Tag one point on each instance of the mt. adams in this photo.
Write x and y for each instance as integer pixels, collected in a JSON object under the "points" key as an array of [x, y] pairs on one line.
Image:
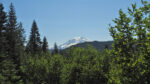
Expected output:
{"points": [[73, 41]]}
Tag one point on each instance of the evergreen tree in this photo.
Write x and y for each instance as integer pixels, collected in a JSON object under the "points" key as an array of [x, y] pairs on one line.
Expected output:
{"points": [[11, 34], [15, 37], [8, 57], [3, 20], [34, 44], [55, 50], [45, 45]]}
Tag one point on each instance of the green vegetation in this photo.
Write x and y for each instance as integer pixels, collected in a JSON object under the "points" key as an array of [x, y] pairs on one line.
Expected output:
{"points": [[128, 62]]}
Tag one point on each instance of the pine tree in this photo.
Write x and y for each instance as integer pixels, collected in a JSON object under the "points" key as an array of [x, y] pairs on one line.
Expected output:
{"points": [[34, 44], [45, 45], [8, 57], [11, 34], [15, 37], [3, 20], [55, 50]]}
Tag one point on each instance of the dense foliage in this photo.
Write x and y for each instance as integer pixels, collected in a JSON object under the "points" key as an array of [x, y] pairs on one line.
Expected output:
{"points": [[126, 63]]}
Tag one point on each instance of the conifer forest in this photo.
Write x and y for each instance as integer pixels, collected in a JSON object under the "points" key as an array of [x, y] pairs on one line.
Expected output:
{"points": [[30, 61]]}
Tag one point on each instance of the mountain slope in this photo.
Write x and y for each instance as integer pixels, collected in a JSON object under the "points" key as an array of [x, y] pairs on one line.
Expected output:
{"points": [[72, 42], [99, 45]]}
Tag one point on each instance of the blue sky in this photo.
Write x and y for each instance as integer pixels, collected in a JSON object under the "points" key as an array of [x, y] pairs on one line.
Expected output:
{"points": [[61, 20]]}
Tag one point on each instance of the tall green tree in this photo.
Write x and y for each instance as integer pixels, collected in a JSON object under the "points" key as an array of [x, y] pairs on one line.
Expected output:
{"points": [[34, 44], [14, 37], [55, 49], [45, 45], [131, 46], [9, 60], [122, 34], [11, 34], [3, 20]]}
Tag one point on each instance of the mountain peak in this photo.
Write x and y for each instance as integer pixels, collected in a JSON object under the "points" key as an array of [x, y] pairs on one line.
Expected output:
{"points": [[73, 41]]}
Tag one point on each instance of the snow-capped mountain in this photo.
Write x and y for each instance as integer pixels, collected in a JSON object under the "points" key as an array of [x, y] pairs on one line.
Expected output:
{"points": [[73, 41]]}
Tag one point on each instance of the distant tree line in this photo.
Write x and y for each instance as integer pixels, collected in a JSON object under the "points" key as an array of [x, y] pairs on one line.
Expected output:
{"points": [[128, 62]]}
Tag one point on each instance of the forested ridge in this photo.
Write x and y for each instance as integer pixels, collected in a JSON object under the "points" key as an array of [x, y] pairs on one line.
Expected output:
{"points": [[98, 45], [128, 62]]}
